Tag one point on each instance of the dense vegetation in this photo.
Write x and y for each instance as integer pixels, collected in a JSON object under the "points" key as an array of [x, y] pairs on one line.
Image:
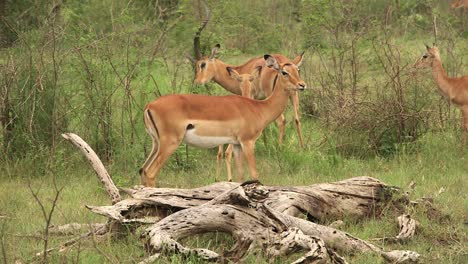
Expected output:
{"points": [[89, 67]]}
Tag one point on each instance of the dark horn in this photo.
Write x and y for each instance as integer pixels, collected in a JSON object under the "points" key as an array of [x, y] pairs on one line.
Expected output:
{"points": [[196, 39]]}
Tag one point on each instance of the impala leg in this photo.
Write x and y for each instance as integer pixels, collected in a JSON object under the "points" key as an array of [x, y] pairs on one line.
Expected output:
{"points": [[295, 103], [281, 121], [239, 161], [248, 148], [219, 157], [151, 169], [228, 158]]}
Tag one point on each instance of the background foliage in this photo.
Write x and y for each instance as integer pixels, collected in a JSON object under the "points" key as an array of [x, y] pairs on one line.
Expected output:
{"points": [[90, 66]]}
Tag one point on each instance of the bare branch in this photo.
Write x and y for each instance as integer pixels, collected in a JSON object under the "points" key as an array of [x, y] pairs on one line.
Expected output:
{"points": [[98, 167]]}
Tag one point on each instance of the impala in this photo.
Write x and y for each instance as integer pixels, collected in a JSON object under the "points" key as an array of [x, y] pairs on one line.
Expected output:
{"points": [[209, 121], [454, 89]]}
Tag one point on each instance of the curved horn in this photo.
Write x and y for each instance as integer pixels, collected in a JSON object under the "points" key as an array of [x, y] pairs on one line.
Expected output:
{"points": [[196, 39]]}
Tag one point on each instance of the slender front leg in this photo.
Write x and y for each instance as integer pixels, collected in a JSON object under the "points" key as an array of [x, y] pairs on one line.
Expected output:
{"points": [[281, 121], [295, 102], [239, 160], [228, 158], [218, 160], [248, 148]]}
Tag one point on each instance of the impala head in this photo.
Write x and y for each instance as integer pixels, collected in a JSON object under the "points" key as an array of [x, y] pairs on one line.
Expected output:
{"points": [[428, 57], [245, 80], [246, 77], [205, 67], [288, 73]]}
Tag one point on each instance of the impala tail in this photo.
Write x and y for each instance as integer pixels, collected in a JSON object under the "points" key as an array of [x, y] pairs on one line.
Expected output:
{"points": [[152, 130]]}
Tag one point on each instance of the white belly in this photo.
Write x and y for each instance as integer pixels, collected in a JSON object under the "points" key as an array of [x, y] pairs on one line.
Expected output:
{"points": [[191, 138]]}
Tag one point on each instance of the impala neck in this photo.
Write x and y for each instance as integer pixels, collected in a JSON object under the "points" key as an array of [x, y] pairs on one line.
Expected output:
{"points": [[441, 78], [222, 78], [274, 105]]}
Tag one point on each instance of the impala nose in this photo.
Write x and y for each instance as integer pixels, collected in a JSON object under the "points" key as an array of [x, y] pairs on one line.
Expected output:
{"points": [[302, 86]]}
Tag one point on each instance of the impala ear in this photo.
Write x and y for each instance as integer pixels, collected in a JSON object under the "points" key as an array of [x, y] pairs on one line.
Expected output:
{"points": [[427, 47], [214, 51], [256, 72], [271, 62], [233, 73], [434, 45], [299, 59]]}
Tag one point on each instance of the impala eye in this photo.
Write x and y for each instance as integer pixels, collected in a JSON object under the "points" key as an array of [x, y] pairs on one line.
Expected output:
{"points": [[285, 73], [425, 56], [203, 65]]}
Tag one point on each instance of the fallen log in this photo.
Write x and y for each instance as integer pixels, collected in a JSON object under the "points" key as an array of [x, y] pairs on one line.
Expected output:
{"points": [[356, 197], [244, 214]]}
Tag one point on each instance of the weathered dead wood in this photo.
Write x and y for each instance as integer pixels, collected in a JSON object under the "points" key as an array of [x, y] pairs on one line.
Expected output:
{"points": [[98, 167], [356, 197], [253, 223], [407, 226], [241, 213]]}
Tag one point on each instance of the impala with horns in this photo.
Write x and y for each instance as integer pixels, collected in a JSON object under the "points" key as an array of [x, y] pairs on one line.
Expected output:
{"points": [[454, 89], [209, 121]]}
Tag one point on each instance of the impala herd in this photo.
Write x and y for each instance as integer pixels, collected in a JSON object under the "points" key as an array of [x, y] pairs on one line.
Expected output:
{"points": [[262, 87]]}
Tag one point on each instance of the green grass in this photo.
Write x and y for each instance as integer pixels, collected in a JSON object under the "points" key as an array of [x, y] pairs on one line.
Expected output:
{"points": [[437, 163]]}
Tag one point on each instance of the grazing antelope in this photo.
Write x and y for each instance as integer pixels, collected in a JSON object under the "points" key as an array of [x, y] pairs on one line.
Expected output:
{"points": [[209, 121], [454, 89]]}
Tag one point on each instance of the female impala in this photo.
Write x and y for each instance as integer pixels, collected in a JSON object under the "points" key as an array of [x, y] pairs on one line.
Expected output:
{"points": [[454, 89], [246, 87], [209, 121]]}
